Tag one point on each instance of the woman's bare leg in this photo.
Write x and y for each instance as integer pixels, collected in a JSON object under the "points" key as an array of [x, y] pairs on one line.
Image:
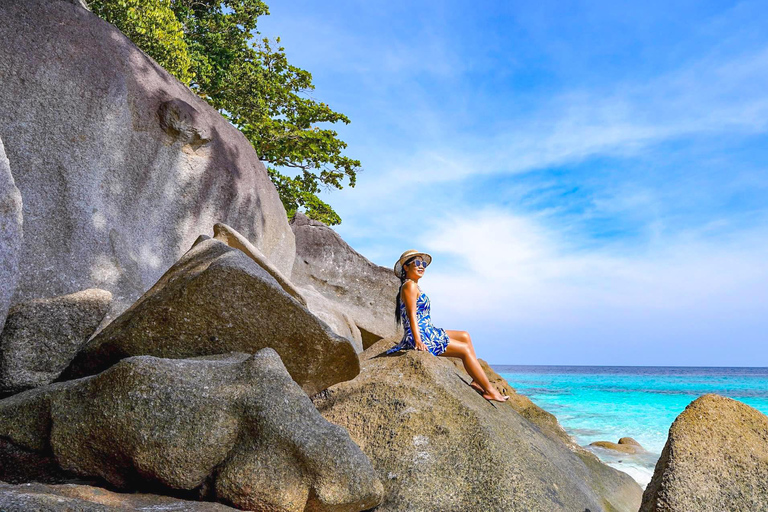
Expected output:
{"points": [[461, 336], [464, 337], [462, 350]]}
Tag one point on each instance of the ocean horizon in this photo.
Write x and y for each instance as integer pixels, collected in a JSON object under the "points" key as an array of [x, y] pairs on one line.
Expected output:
{"points": [[605, 403]]}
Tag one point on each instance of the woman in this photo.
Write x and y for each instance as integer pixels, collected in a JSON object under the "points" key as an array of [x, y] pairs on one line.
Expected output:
{"points": [[412, 308]]}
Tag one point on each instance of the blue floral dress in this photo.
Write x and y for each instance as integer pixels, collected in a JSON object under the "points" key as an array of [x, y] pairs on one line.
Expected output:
{"points": [[433, 337]]}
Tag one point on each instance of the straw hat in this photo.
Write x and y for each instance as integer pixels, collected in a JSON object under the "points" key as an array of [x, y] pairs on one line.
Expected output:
{"points": [[410, 253]]}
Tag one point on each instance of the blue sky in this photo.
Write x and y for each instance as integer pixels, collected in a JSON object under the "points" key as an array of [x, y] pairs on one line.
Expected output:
{"points": [[591, 178]]}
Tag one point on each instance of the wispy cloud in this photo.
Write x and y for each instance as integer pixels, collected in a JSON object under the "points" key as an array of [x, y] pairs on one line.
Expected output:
{"points": [[709, 97]]}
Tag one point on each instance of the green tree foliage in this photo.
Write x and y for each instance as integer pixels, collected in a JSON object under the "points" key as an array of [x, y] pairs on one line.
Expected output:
{"points": [[214, 48], [154, 28]]}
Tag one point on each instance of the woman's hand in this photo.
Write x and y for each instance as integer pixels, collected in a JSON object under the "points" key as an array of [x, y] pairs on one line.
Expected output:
{"points": [[420, 346]]}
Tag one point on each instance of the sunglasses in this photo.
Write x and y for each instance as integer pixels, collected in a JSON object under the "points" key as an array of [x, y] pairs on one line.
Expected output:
{"points": [[419, 263]]}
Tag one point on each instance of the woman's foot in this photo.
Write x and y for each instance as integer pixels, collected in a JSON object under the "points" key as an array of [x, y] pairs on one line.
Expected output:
{"points": [[495, 396], [477, 387]]}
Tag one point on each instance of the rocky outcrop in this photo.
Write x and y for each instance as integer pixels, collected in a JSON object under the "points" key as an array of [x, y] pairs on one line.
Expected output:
{"points": [[10, 233], [86, 498], [438, 445], [359, 288], [232, 238], [215, 300], [625, 445], [715, 458], [120, 165], [235, 427], [41, 337]]}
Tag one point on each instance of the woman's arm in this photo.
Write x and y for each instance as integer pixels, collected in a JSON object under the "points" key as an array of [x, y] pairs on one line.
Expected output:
{"points": [[410, 296]]}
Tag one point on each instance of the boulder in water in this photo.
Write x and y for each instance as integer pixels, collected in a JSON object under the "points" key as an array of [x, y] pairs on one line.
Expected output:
{"points": [[715, 459], [625, 445]]}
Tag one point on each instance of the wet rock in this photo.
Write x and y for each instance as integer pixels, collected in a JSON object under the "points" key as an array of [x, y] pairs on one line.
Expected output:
{"points": [[438, 445], [120, 165], [235, 428], [41, 337], [359, 288], [715, 458], [625, 445], [214, 300]]}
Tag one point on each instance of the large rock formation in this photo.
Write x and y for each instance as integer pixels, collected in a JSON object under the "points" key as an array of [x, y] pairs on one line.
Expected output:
{"points": [[438, 445], [359, 288], [715, 459], [120, 166], [214, 300], [86, 498], [236, 428], [41, 337], [10, 232]]}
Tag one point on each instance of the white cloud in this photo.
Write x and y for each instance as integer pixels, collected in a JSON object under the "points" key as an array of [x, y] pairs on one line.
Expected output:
{"points": [[495, 268], [707, 97]]}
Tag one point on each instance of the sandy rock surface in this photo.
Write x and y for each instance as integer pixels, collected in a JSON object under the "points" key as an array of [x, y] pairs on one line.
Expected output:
{"points": [[235, 428], [120, 166], [520, 403], [215, 300], [438, 445], [715, 459], [42, 336]]}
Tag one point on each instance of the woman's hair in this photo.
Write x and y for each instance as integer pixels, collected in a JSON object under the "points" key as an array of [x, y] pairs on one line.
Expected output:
{"points": [[402, 281]]}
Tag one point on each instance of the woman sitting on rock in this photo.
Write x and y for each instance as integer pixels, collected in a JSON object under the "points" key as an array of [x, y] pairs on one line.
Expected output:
{"points": [[412, 308]]}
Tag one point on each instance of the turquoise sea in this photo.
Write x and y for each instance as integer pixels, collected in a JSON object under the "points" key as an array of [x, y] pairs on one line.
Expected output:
{"points": [[605, 403]]}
